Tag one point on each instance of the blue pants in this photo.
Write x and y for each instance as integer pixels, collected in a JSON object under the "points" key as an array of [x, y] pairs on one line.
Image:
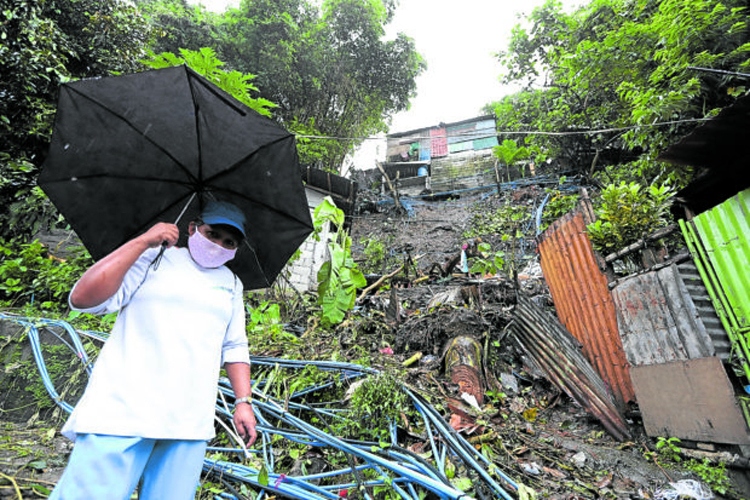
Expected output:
{"points": [[110, 467]]}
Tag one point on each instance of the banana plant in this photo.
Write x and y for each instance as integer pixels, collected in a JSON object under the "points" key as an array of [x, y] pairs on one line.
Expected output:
{"points": [[339, 277]]}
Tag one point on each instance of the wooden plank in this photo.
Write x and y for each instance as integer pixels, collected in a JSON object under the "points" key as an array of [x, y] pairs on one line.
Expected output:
{"points": [[691, 400]]}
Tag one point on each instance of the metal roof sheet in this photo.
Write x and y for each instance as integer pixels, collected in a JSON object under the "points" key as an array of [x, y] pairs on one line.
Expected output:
{"points": [[556, 351], [725, 232], [658, 320], [720, 144], [721, 147], [582, 298]]}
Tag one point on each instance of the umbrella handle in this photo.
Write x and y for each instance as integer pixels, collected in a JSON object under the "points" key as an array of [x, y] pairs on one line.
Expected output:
{"points": [[157, 259], [164, 244]]}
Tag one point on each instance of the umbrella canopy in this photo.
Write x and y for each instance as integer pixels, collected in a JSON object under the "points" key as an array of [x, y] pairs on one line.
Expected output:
{"points": [[130, 151]]}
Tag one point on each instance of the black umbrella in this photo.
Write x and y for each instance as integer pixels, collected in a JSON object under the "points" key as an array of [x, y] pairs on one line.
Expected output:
{"points": [[130, 151]]}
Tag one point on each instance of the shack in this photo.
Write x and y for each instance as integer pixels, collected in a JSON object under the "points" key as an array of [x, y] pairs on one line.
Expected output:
{"points": [[444, 157], [665, 321]]}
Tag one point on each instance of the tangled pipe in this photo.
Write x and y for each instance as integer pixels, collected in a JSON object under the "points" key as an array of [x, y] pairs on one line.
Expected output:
{"points": [[406, 473]]}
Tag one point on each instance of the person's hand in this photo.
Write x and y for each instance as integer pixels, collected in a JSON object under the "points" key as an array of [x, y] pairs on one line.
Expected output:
{"points": [[244, 422], [161, 233]]}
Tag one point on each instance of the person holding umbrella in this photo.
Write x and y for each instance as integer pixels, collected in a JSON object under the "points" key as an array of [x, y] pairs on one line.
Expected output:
{"points": [[148, 410]]}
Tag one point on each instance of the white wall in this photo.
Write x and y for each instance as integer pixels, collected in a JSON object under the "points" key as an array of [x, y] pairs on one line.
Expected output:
{"points": [[303, 273]]}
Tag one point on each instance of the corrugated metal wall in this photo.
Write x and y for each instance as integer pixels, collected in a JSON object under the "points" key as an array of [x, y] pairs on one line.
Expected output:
{"points": [[439, 142], [485, 143], [582, 298], [658, 320], [725, 232], [457, 147], [705, 310], [719, 241]]}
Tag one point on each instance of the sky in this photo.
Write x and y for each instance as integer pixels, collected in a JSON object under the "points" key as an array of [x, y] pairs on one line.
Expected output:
{"points": [[458, 40]]}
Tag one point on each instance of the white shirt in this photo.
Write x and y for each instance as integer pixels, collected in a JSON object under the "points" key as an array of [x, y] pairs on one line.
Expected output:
{"points": [[157, 374]]}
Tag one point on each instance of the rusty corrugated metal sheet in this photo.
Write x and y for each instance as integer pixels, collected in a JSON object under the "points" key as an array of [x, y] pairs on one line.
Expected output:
{"points": [[559, 354], [582, 298], [657, 319]]}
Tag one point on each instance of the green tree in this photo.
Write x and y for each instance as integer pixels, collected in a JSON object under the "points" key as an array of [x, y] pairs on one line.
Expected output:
{"points": [[177, 25], [327, 65], [44, 43], [329, 69], [616, 80]]}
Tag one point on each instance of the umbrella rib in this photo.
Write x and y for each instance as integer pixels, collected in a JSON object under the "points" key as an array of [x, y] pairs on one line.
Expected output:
{"points": [[257, 261], [237, 164], [124, 177], [198, 78], [130, 124]]}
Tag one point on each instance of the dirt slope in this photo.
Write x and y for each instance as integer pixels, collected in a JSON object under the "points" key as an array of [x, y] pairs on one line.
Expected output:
{"points": [[562, 451], [536, 433]]}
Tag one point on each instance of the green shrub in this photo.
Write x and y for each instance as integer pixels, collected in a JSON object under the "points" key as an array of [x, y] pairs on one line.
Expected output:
{"points": [[376, 403], [487, 262], [627, 212], [505, 220], [29, 273]]}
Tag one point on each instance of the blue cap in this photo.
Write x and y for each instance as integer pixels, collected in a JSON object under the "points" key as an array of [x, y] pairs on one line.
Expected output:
{"points": [[223, 212]]}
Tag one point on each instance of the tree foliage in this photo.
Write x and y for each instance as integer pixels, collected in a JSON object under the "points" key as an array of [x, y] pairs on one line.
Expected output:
{"points": [[204, 61], [329, 68], [45, 43], [176, 25], [622, 78], [326, 65]]}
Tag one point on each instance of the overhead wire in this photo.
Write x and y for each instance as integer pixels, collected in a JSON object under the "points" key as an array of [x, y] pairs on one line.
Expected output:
{"points": [[474, 135]]}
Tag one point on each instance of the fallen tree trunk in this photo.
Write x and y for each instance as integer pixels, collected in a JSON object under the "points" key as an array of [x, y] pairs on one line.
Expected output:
{"points": [[463, 362]]}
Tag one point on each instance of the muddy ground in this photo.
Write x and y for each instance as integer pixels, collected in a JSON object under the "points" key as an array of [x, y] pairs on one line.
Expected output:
{"points": [[545, 439]]}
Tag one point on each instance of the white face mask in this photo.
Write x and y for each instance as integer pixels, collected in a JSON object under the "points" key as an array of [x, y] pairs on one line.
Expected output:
{"points": [[208, 254]]}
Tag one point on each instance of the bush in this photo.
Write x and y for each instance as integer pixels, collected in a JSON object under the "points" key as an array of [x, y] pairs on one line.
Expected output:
{"points": [[627, 213], [29, 273]]}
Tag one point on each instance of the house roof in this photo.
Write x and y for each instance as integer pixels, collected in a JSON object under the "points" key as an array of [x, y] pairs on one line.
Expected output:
{"points": [[342, 190], [413, 131], [721, 148]]}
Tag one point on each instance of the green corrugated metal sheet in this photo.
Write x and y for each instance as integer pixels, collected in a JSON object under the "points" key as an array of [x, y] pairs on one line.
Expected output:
{"points": [[725, 232], [719, 240]]}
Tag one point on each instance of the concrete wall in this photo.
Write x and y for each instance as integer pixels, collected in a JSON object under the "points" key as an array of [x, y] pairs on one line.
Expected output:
{"points": [[469, 169], [303, 272]]}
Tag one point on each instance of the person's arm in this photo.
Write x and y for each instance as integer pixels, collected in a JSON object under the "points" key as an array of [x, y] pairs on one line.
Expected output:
{"points": [[244, 417], [102, 280]]}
